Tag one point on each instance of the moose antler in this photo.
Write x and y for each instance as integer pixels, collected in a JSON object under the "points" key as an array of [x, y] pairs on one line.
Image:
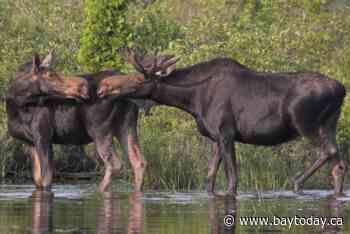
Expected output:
{"points": [[150, 64], [132, 57], [166, 61], [48, 61]]}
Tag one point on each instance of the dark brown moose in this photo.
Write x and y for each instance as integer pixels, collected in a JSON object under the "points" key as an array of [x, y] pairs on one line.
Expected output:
{"points": [[232, 103], [46, 108]]}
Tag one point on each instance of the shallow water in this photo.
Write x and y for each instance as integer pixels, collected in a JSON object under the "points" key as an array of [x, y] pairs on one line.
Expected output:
{"points": [[78, 209]]}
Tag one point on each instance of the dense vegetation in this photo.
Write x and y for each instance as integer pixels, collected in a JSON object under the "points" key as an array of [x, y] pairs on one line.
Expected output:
{"points": [[266, 35]]}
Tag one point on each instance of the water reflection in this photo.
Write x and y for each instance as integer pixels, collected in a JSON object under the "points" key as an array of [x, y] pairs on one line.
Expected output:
{"points": [[42, 212], [110, 214], [137, 213], [335, 209], [222, 219]]}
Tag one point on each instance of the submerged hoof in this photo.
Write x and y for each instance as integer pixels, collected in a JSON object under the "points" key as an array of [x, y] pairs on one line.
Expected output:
{"points": [[102, 188], [230, 194], [211, 194], [298, 188]]}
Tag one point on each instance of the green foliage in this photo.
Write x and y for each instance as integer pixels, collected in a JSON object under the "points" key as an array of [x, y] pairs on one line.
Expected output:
{"points": [[152, 28], [105, 32]]}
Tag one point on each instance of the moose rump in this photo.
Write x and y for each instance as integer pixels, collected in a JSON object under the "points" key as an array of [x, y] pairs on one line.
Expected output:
{"points": [[273, 110]]}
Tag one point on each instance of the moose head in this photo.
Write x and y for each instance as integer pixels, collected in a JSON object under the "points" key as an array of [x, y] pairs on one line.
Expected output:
{"points": [[37, 80], [150, 67]]}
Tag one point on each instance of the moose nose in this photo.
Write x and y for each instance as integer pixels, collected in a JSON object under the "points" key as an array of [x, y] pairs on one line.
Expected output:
{"points": [[85, 92], [101, 92]]}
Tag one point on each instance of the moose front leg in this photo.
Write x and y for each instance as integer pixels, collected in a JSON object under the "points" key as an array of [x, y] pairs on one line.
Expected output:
{"points": [[42, 165], [227, 152], [213, 167], [137, 160], [41, 152]]}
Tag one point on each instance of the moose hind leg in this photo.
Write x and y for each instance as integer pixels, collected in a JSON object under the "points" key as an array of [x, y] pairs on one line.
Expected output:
{"points": [[326, 138], [339, 169], [299, 181], [116, 162]]}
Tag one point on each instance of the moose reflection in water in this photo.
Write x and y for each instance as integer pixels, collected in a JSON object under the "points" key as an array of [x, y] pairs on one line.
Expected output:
{"points": [[222, 222], [74, 209], [45, 108], [42, 212], [109, 214]]}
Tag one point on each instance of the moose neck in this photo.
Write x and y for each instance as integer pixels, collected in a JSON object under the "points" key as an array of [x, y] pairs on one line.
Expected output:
{"points": [[177, 90], [174, 96]]}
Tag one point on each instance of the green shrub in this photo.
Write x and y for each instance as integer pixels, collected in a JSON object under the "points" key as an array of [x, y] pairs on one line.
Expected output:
{"points": [[105, 32]]}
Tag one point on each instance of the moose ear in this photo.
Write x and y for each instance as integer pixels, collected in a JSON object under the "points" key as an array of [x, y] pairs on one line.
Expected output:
{"points": [[36, 64], [48, 61]]}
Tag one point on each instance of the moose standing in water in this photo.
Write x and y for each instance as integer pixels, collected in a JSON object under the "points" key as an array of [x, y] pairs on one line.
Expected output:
{"points": [[46, 108], [232, 103]]}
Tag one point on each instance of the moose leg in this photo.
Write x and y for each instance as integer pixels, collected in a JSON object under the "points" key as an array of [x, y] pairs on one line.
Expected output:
{"points": [[41, 152], [137, 160], [299, 182], [227, 152], [339, 169], [213, 167], [329, 152], [128, 137], [111, 161], [117, 163], [42, 164], [339, 166]]}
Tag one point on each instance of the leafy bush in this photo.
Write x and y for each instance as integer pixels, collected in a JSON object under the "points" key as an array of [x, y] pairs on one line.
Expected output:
{"points": [[105, 32]]}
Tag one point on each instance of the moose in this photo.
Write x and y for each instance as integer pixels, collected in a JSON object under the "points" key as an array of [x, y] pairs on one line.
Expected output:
{"points": [[45, 108], [232, 103]]}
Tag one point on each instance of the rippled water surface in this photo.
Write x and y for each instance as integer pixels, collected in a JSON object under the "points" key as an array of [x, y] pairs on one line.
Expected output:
{"points": [[78, 209]]}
